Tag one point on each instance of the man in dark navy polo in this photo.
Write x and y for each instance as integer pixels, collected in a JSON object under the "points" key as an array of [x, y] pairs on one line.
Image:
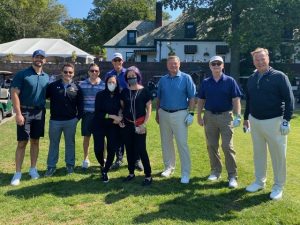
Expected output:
{"points": [[28, 93], [66, 109], [220, 96], [175, 111]]}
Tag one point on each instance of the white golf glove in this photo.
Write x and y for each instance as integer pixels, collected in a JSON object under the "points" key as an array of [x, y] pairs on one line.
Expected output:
{"points": [[237, 120], [189, 119], [285, 127]]}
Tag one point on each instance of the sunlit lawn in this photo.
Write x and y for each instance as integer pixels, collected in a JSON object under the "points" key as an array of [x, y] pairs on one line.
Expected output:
{"points": [[83, 199]]}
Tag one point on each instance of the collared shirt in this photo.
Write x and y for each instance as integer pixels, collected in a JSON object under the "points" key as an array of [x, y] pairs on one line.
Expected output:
{"points": [[174, 92], [120, 77], [89, 92], [269, 97], [32, 87], [218, 95]]}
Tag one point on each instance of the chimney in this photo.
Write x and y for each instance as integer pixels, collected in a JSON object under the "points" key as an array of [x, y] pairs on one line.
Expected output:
{"points": [[158, 19]]}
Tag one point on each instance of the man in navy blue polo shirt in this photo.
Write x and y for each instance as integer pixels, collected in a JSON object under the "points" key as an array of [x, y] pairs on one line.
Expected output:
{"points": [[175, 106], [28, 93], [220, 96]]}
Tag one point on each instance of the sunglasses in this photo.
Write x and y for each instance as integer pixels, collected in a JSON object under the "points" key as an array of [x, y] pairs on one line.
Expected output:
{"points": [[216, 63], [68, 72], [94, 71], [117, 60]]}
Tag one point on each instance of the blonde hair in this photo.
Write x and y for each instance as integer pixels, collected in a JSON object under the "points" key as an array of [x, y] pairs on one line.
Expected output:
{"points": [[258, 50]]}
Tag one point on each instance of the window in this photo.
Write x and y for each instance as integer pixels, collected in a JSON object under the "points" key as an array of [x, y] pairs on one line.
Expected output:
{"points": [[130, 57], [190, 49], [143, 58], [222, 49], [131, 37], [190, 30]]}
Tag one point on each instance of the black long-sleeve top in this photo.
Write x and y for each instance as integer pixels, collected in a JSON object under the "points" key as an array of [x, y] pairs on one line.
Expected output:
{"points": [[105, 104], [66, 103], [270, 96]]}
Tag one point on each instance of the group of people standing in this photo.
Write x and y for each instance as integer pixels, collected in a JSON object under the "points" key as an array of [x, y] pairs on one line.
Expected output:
{"points": [[118, 108]]}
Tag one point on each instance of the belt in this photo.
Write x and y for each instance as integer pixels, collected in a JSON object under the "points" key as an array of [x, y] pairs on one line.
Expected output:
{"points": [[217, 113], [31, 107], [172, 110]]}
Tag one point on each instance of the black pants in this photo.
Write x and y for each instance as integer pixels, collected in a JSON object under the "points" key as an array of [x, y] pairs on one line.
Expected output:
{"points": [[135, 146], [110, 131]]}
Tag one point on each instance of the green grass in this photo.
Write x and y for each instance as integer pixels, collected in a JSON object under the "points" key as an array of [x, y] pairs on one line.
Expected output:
{"points": [[83, 199]]}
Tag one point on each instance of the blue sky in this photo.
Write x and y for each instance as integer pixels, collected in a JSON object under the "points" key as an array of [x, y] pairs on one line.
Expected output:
{"points": [[80, 8]]}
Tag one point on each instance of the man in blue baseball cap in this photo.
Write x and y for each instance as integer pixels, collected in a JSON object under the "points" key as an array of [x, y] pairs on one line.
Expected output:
{"points": [[28, 93]]}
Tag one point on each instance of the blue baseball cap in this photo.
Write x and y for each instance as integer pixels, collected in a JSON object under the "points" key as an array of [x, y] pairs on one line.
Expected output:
{"points": [[39, 52]]}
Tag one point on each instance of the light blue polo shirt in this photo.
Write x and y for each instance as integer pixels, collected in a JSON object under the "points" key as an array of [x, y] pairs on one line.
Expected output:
{"points": [[174, 92]]}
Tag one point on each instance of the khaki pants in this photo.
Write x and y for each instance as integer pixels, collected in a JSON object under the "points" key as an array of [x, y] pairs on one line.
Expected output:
{"points": [[216, 125], [266, 134], [173, 125]]}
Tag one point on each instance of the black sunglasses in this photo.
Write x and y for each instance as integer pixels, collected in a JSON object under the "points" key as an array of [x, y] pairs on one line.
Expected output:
{"points": [[216, 63], [117, 60], [68, 72], [94, 71]]}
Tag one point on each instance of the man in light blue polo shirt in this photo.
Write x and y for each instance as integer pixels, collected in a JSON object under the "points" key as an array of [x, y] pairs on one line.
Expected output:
{"points": [[175, 111]]}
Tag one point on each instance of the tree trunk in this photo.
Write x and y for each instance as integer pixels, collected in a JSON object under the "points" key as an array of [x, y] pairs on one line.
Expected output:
{"points": [[235, 42]]}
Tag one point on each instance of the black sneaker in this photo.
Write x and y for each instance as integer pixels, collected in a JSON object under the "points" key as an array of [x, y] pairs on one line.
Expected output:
{"points": [[50, 171], [129, 177], [138, 165], [147, 181], [70, 170], [116, 165], [104, 177]]}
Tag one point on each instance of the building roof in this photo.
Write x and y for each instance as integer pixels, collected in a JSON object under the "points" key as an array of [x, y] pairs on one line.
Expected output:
{"points": [[147, 33]]}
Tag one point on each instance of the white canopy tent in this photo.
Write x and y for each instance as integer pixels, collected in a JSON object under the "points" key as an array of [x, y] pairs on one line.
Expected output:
{"points": [[22, 49]]}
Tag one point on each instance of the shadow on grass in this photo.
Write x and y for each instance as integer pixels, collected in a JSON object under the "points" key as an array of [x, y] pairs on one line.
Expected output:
{"points": [[189, 203]]}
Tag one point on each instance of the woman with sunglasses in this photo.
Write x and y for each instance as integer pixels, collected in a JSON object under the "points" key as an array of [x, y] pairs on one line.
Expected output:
{"points": [[106, 124], [136, 105]]}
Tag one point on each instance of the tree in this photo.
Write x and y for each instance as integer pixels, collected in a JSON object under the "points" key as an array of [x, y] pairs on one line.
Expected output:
{"points": [[78, 33], [245, 24], [31, 18]]}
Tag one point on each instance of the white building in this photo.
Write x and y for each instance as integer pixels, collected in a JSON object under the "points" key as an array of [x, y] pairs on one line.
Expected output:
{"points": [[147, 41]]}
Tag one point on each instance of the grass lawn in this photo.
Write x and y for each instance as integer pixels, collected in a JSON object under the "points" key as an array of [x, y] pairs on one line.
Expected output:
{"points": [[82, 198]]}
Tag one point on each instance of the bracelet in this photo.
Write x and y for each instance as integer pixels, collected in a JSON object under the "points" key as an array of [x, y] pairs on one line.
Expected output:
{"points": [[107, 116]]}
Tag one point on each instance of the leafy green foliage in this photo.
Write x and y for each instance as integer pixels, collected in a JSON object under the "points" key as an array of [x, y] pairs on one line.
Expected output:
{"points": [[31, 18]]}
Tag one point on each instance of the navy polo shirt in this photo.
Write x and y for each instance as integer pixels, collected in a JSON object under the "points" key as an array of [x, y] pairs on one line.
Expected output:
{"points": [[218, 95], [175, 91], [120, 77], [32, 87]]}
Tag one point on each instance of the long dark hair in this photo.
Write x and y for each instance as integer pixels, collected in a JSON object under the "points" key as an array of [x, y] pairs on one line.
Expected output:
{"points": [[117, 90]]}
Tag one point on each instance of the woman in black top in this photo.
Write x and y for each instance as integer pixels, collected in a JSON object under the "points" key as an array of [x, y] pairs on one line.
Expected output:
{"points": [[106, 124], [136, 105]]}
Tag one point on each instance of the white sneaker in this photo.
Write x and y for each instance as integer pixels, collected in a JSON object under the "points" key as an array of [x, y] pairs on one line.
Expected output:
{"points": [[254, 187], [15, 181], [34, 173], [213, 177], [167, 173], [85, 164], [276, 194], [185, 180], [233, 183]]}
